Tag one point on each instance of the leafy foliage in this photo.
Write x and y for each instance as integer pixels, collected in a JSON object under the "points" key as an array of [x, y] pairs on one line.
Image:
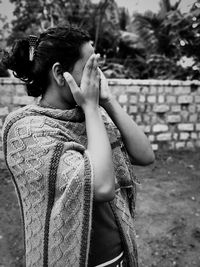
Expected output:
{"points": [[3, 31], [151, 45], [167, 37], [101, 20]]}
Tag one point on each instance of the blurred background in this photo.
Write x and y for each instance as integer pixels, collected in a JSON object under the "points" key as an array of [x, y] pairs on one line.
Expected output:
{"points": [[152, 47], [136, 38]]}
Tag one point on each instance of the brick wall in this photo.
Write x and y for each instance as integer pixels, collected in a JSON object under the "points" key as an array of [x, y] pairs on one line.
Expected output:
{"points": [[167, 111]]}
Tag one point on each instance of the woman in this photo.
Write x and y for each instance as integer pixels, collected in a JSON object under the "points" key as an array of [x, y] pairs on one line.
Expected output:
{"points": [[71, 165]]}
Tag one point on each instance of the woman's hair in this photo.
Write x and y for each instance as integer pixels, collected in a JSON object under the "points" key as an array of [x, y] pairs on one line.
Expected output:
{"points": [[58, 44]]}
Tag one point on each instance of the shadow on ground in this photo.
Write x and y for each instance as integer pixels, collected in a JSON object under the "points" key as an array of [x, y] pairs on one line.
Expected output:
{"points": [[167, 221]]}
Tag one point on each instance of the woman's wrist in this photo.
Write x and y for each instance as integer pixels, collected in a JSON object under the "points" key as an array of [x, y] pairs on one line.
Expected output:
{"points": [[87, 109], [107, 104]]}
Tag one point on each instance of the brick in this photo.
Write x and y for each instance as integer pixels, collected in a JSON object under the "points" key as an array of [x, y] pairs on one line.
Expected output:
{"points": [[161, 108], [160, 128], [142, 108], [185, 99], [172, 145], [190, 145], [138, 119], [144, 89], [198, 108], [179, 145], [146, 118], [125, 108], [186, 127], [152, 89], [20, 89], [175, 136], [197, 143], [182, 90], [133, 89], [193, 118], [184, 115], [133, 99], [147, 129], [148, 108], [161, 99], [23, 100], [194, 135], [4, 111], [151, 138], [154, 146], [197, 127], [169, 89], [197, 98], [192, 108], [5, 100], [7, 89], [171, 99], [154, 119], [160, 89], [173, 118], [123, 99], [151, 99], [164, 137], [142, 98], [132, 109], [184, 136], [2, 155], [176, 108]]}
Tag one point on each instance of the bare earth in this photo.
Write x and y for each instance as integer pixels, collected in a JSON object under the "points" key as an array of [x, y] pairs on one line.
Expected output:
{"points": [[168, 214]]}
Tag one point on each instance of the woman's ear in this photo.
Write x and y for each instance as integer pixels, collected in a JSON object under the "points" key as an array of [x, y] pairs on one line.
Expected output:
{"points": [[57, 72]]}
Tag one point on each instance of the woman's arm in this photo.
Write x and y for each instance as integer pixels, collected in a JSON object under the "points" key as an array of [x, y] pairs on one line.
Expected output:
{"points": [[99, 148], [135, 141], [101, 155]]}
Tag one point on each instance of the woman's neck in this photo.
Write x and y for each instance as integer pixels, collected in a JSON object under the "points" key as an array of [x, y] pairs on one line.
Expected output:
{"points": [[55, 102]]}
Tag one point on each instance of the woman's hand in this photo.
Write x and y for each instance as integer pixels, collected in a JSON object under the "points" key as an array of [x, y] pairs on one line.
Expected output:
{"points": [[105, 94], [98, 144], [88, 93]]}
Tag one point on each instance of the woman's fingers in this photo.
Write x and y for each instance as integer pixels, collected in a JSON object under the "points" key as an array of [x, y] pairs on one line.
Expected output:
{"points": [[95, 65], [89, 65], [88, 93], [71, 82]]}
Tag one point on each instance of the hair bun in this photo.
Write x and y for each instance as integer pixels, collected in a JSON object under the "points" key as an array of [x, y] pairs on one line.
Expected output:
{"points": [[18, 60]]}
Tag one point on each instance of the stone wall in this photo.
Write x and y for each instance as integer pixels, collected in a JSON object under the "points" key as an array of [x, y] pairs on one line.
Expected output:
{"points": [[167, 111]]}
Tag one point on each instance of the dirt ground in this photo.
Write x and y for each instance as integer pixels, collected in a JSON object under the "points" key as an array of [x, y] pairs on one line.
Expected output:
{"points": [[168, 214]]}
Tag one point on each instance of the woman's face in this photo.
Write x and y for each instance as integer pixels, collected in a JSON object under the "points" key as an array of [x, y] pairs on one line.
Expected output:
{"points": [[86, 51]]}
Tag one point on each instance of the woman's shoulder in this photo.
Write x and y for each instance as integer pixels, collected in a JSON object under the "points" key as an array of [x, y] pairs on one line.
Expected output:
{"points": [[18, 115], [28, 118]]}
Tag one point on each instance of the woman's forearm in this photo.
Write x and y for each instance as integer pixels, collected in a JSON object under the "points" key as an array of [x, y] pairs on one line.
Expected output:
{"points": [[101, 155], [135, 141]]}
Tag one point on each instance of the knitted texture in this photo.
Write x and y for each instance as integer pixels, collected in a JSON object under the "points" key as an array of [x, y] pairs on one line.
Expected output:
{"points": [[45, 151]]}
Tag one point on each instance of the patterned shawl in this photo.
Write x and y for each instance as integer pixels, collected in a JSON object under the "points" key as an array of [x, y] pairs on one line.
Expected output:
{"points": [[45, 151]]}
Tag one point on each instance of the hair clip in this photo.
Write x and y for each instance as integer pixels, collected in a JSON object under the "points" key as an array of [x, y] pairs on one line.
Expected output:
{"points": [[32, 45]]}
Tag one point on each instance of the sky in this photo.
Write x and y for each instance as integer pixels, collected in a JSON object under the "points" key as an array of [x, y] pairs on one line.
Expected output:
{"points": [[6, 8]]}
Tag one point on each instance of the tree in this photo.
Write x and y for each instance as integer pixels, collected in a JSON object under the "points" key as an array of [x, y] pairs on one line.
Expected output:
{"points": [[33, 16], [4, 30], [124, 18], [167, 37], [101, 20]]}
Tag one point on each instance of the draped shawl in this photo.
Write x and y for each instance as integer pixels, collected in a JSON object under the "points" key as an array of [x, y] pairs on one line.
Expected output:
{"points": [[46, 152]]}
